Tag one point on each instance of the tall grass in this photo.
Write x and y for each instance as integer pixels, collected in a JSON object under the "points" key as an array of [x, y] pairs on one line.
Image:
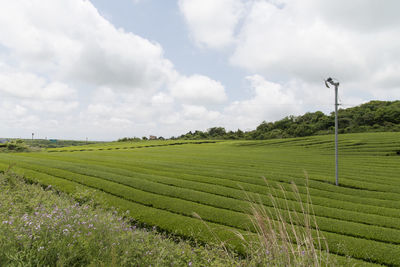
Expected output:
{"points": [[283, 236]]}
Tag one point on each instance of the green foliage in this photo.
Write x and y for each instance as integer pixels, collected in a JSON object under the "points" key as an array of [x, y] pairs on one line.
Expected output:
{"points": [[127, 145], [374, 116], [16, 145], [36, 144], [164, 182], [129, 139]]}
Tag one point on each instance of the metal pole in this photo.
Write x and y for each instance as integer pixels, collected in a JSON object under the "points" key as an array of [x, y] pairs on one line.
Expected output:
{"points": [[336, 135]]}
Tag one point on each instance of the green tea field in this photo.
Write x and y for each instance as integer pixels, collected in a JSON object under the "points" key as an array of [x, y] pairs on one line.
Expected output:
{"points": [[162, 183]]}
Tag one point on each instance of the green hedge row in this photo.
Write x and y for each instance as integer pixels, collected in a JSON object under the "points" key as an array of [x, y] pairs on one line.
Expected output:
{"points": [[350, 195], [343, 245], [224, 191], [166, 221], [234, 219]]}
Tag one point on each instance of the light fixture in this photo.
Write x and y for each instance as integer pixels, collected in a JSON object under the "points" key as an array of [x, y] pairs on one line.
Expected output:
{"points": [[335, 83]]}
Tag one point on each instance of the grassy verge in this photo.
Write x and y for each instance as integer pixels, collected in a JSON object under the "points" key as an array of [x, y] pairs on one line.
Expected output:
{"points": [[41, 227]]}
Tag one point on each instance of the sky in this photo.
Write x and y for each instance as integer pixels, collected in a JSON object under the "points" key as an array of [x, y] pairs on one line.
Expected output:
{"points": [[103, 70]]}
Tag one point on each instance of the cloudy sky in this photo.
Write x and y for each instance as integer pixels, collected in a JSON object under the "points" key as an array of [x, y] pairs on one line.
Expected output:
{"points": [[103, 69]]}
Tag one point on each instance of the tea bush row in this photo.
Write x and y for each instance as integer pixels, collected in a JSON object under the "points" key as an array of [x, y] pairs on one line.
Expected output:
{"points": [[182, 207], [360, 230], [107, 172], [374, 250], [41, 228]]}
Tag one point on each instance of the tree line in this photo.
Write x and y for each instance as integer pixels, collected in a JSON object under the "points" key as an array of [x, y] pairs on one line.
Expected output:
{"points": [[374, 116]]}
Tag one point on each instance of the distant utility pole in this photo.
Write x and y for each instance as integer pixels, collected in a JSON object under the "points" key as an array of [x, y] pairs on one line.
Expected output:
{"points": [[336, 84], [33, 135]]}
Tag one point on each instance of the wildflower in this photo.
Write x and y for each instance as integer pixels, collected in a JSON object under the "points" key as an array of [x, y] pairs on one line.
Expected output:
{"points": [[40, 248], [190, 263]]}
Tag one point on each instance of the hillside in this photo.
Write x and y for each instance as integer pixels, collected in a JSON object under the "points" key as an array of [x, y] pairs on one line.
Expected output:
{"points": [[374, 116], [163, 183]]}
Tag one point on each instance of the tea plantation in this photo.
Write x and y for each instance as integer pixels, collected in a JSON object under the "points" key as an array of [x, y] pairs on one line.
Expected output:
{"points": [[163, 183]]}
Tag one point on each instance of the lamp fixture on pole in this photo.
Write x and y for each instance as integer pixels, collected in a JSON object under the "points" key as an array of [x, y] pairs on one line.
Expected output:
{"points": [[336, 84]]}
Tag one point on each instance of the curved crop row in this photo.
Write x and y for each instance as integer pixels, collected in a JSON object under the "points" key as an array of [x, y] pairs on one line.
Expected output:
{"points": [[321, 209], [225, 217], [374, 250]]}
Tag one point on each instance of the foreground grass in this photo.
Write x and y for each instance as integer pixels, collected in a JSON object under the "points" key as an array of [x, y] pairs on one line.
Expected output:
{"points": [[40, 227], [43, 227]]}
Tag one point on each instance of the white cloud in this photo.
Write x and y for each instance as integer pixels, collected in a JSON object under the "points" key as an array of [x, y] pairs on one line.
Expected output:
{"points": [[18, 120], [19, 110], [198, 89], [124, 79], [161, 99], [284, 43], [27, 93], [270, 101], [70, 68], [71, 41], [66, 70], [193, 112], [354, 41], [56, 107], [387, 76], [358, 15], [29, 86], [212, 23], [285, 40]]}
